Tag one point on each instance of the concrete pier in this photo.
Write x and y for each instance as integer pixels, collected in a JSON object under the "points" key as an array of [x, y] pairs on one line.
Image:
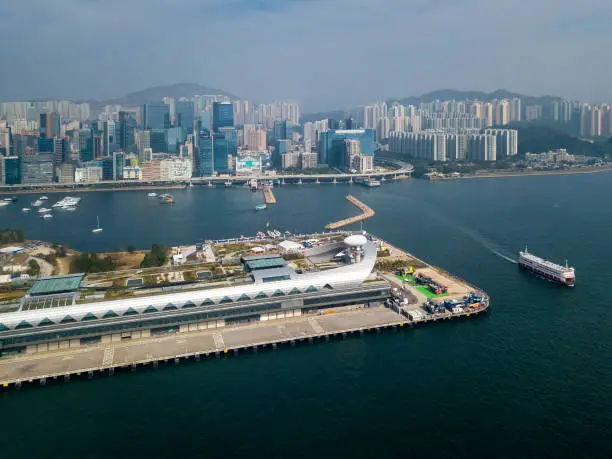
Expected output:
{"points": [[367, 213], [88, 360], [268, 195]]}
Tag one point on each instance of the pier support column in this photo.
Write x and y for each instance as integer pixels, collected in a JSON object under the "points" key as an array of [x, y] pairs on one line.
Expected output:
{"points": [[66, 378], [155, 364]]}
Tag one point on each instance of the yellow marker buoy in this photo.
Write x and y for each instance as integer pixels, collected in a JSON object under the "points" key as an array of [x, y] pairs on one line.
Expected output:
{"points": [[5, 385], [225, 351]]}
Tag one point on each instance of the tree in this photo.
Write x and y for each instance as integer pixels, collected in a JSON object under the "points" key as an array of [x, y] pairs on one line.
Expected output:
{"points": [[9, 235], [91, 263], [33, 268], [60, 251], [156, 257]]}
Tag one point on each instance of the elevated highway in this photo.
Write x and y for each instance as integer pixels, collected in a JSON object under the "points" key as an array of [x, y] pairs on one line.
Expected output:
{"points": [[403, 170]]}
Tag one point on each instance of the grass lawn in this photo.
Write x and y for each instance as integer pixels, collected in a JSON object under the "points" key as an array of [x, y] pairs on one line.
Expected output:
{"points": [[421, 288]]}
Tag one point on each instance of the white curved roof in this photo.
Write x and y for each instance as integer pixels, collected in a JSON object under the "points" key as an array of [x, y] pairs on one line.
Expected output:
{"points": [[356, 240], [344, 277]]}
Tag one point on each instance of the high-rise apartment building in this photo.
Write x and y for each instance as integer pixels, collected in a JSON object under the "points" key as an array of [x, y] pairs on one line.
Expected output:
{"points": [[482, 147]]}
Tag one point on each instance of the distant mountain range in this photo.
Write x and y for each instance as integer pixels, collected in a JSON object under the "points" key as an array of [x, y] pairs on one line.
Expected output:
{"points": [[179, 90], [156, 93]]}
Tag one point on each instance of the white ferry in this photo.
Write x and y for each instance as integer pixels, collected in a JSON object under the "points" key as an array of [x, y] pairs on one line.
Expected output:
{"points": [[546, 269]]}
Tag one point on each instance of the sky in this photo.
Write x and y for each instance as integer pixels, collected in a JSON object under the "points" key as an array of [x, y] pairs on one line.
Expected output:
{"points": [[326, 54]]}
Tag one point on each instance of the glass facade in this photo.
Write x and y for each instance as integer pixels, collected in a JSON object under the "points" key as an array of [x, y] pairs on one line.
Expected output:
{"points": [[331, 145], [176, 136], [11, 170], [159, 140], [223, 115], [127, 125], [184, 115], [156, 115]]}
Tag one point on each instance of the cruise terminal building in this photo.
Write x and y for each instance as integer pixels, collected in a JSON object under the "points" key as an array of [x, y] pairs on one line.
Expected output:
{"points": [[52, 315]]}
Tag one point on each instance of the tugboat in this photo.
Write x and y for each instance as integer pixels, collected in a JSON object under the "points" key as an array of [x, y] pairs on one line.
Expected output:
{"points": [[548, 270]]}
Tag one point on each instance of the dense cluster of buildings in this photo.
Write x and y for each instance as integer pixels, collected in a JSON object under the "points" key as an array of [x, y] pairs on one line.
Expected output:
{"points": [[171, 140], [210, 135]]}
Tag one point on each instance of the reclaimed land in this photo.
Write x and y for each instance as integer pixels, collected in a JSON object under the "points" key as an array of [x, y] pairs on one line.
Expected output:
{"points": [[198, 343]]}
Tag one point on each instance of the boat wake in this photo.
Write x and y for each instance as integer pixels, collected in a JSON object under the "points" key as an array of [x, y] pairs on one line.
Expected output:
{"points": [[490, 246]]}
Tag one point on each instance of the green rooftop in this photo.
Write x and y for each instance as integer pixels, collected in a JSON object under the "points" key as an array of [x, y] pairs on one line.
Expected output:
{"points": [[58, 284], [265, 263]]}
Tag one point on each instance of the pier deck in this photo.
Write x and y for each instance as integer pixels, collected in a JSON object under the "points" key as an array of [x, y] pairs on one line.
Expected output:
{"points": [[91, 359], [268, 195], [367, 212]]}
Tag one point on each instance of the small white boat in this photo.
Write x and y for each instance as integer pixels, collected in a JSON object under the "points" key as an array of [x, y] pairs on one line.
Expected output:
{"points": [[70, 209], [25, 209], [43, 198], [228, 183], [98, 229], [47, 216], [36, 203], [43, 210], [4, 203], [152, 195]]}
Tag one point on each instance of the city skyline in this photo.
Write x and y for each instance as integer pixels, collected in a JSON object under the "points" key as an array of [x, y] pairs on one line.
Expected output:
{"points": [[313, 51]]}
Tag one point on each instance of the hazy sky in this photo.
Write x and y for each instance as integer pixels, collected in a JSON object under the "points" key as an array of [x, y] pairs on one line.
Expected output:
{"points": [[324, 53]]}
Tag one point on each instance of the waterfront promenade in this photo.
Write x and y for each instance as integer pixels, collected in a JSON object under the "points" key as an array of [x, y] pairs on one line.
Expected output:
{"points": [[366, 213]]}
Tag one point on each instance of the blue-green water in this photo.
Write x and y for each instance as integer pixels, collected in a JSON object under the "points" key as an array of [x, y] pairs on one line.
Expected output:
{"points": [[531, 379]]}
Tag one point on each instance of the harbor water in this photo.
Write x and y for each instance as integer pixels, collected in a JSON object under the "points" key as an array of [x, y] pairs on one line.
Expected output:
{"points": [[531, 379]]}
